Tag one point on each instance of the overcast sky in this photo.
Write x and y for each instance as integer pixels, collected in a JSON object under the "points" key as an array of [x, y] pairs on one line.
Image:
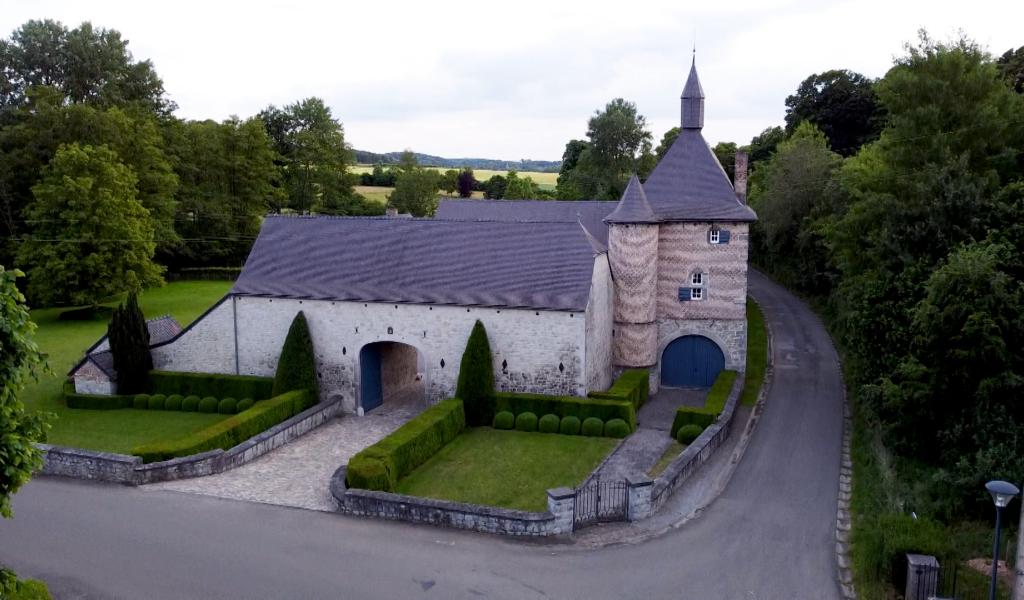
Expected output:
{"points": [[514, 80]]}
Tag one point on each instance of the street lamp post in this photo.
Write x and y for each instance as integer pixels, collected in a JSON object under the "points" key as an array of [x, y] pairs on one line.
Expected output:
{"points": [[1002, 493]]}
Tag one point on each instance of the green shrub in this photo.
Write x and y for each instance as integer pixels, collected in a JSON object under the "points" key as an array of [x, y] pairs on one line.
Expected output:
{"points": [[140, 402], [616, 428], [128, 336], [713, 405], [548, 423], [245, 404], [156, 402], [296, 369], [190, 404], [230, 432], [208, 405], [227, 406], [569, 426], [564, 406], [476, 378], [632, 386], [28, 589], [504, 420], [592, 427], [380, 466], [173, 402], [881, 543], [210, 384], [688, 433], [97, 401], [526, 421]]}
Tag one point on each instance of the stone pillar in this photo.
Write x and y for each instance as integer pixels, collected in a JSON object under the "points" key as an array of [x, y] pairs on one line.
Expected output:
{"points": [[922, 576], [640, 501], [561, 502]]}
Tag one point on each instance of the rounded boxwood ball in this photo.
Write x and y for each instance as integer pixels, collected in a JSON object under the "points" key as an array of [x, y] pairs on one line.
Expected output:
{"points": [[569, 426], [688, 433], [227, 406], [208, 405], [190, 404], [245, 404], [141, 401], [173, 402], [526, 421], [592, 427], [548, 424], [504, 420], [616, 428], [156, 402]]}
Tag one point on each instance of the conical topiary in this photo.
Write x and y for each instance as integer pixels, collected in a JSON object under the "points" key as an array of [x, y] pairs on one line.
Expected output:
{"points": [[476, 378], [296, 369], [129, 346]]}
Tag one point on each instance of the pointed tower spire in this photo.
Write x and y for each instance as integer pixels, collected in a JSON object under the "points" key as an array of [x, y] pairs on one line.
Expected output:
{"points": [[633, 206], [693, 99]]}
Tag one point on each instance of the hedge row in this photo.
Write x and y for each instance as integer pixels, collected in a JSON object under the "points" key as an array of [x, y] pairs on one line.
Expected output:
{"points": [[231, 431], [210, 384], [633, 386], [570, 425], [713, 405], [380, 466], [177, 402], [94, 401], [566, 406]]}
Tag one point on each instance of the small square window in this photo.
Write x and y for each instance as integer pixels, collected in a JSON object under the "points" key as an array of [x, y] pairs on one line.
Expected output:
{"points": [[696, 293], [697, 279], [713, 237]]}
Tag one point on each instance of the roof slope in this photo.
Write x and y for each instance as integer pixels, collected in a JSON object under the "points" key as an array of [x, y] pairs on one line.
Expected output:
{"points": [[633, 207], [540, 265], [689, 184], [590, 213]]}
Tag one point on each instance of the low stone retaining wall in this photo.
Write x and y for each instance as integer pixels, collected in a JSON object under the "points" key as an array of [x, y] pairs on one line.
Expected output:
{"points": [[129, 470], [557, 520]]}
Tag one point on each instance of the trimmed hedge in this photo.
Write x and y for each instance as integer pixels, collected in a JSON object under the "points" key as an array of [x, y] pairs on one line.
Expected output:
{"points": [[210, 384], [94, 401], [156, 402], [548, 423], [140, 402], [231, 431], [173, 402], [713, 405], [296, 367], [245, 404], [592, 427], [526, 421], [208, 405], [227, 406], [565, 406], [504, 420], [380, 466], [190, 404], [616, 428], [688, 433], [569, 426], [633, 386]]}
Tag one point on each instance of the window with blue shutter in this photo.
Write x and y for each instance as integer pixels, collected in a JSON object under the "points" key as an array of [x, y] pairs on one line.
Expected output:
{"points": [[684, 294], [723, 236]]}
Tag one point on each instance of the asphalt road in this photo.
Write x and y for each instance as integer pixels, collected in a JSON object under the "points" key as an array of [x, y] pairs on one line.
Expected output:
{"points": [[770, 535]]}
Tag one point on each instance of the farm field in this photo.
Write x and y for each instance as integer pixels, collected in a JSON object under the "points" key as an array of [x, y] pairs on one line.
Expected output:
{"points": [[380, 194], [546, 181], [65, 342]]}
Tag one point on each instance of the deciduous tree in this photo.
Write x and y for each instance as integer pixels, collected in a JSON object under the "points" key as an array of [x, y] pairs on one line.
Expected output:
{"points": [[466, 181], [416, 192], [842, 104]]}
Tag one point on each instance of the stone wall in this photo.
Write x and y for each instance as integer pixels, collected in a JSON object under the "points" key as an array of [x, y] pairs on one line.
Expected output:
{"points": [[599, 327], [87, 464], [535, 351], [683, 248], [730, 335], [90, 379]]}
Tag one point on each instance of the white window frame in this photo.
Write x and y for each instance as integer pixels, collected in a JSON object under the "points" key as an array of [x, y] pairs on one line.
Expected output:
{"points": [[713, 236], [697, 279], [696, 293]]}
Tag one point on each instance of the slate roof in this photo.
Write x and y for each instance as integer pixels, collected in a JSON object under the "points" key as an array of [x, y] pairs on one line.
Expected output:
{"points": [[590, 213], [689, 184], [542, 265], [161, 329], [633, 207]]}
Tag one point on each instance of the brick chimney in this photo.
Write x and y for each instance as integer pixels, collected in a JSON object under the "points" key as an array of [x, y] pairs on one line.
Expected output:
{"points": [[740, 179], [391, 212]]}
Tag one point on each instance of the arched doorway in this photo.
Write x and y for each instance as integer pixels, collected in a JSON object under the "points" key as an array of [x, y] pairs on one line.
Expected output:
{"points": [[691, 361], [389, 372]]}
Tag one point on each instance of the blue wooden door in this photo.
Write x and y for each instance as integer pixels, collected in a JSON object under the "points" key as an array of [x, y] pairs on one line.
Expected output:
{"points": [[371, 393], [691, 361]]}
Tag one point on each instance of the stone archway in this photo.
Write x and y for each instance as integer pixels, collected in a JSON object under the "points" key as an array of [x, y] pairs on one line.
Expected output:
{"points": [[691, 361], [390, 373]]}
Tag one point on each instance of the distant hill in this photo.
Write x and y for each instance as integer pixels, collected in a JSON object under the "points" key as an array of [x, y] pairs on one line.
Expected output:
{"points": [[428, 160]]}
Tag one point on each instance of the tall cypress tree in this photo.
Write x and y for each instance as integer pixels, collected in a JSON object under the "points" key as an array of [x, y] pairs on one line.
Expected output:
{"points": [[129, 345], [296, 369], [476, 378]]}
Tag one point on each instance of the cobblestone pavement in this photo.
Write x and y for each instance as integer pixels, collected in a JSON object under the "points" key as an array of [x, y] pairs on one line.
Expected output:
{"points": [[298, 474], [640, 451]]}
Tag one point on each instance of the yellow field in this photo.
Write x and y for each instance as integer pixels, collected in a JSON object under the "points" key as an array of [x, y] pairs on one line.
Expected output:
{"points": [[546, 181], [380, 194]]}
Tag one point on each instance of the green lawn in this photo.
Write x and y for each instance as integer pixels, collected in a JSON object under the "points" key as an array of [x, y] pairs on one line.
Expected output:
{"points": [[511, 469], [114, 431], [757, 354]]}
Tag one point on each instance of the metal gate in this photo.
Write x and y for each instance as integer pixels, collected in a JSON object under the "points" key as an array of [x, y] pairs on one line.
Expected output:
{"points": [[600, 502]]}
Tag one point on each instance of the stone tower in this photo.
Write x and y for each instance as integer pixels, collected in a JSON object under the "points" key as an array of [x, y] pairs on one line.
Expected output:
{"points": [[633, 254]]}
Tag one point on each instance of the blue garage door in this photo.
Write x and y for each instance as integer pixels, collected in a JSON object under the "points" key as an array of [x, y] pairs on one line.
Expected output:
{"points": [[371, 394], [691, 361]]}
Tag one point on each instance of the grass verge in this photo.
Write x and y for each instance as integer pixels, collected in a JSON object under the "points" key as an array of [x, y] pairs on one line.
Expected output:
{"points": [[757, 354], [670, 454], [510, 469]]}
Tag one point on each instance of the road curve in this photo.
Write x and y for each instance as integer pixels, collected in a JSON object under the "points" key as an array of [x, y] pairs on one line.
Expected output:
{"points": [[770, 535]]}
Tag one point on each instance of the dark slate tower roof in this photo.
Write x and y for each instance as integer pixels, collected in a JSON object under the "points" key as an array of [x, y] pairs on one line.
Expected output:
{"points": [[633, 206], [693, 100]]}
